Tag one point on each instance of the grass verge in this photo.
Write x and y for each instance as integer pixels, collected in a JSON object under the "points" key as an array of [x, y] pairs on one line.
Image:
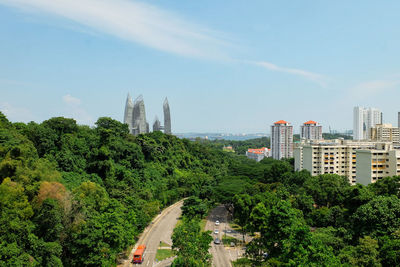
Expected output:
{"points": [[163, 254], [243, 262], [163, 244]]}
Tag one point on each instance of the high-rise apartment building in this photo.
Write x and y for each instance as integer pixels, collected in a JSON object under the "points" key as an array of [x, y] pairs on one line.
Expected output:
{"points": [[398, 119], [281, 140], [363, 120], [311, 130], [385, 133]]}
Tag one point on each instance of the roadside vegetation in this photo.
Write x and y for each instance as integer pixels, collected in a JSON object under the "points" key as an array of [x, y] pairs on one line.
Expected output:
{"points": [[164, 253], [71, 195], [314, 220], [79, 196]]}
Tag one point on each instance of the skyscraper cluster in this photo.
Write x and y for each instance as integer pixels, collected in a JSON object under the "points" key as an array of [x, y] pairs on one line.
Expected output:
{"points": [[135, 117]]}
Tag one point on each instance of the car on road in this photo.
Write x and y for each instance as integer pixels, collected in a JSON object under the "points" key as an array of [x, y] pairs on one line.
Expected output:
{"points": [[216, 222], [216, 231], [217, 241]]}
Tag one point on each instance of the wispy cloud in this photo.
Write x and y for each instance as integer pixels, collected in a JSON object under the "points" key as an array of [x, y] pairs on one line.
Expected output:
{"points": [[150, 26], [372, 88], [314, 77], [133, 21], [70, 100], [75, 110]]}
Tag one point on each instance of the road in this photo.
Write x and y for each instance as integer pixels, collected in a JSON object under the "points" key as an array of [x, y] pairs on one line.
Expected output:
{"points": [[160, 229], [221, 256]]}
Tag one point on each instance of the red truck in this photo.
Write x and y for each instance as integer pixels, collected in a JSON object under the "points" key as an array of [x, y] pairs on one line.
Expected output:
{"points": [[138, 256]]}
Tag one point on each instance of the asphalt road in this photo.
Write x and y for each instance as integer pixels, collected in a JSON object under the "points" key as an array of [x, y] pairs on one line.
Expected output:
{"points": [[221, 255], [160, 229]]}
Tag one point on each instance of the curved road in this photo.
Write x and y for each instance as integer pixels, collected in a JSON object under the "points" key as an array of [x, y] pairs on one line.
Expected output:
{"points": [[160, 229]]}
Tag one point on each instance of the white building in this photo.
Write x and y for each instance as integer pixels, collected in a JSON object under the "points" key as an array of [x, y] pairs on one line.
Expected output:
{"points": [[281, 140], [385, 133], [398, 119], [360, 161], [257, 154], [311, 130], [363, 120]]}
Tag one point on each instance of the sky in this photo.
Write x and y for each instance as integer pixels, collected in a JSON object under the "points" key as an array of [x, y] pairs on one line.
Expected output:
{"points": [[226, 66]]}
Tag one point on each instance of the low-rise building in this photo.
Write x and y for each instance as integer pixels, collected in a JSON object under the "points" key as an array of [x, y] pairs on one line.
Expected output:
{"points": [[257, 153]]}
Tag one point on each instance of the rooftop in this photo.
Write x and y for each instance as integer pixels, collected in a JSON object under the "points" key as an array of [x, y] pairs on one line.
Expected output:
{"points": [[281, 122], [310, 122]]}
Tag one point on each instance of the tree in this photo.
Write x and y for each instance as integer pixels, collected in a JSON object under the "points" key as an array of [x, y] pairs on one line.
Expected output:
{"points": [[386, 186], [48, 219], [15, 225], [108, 128], [191, 245], [286, 238], [390, 249], [379, 217], [194, 207], [327, 189], [242, 209], [364, 254]]}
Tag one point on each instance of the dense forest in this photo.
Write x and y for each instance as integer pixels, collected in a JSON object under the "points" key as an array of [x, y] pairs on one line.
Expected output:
{"points": [[71, 195], [302, 220], [78, 196]]}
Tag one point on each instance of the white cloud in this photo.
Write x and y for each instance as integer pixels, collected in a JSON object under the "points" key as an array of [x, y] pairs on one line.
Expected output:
{"points": [[150, 26], [14, 113], [133, 21], [68, 99], [314, 77], [74, 109]]}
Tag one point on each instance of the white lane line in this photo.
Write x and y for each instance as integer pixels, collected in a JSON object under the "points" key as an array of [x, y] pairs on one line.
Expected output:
{"points": [[147, 263]]}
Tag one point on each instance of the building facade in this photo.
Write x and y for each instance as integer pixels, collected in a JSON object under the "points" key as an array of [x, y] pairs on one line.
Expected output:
{"points": [[347, 158], [398, 119], [257, 154], [363, 120], [311, 130], [375, 164], [385, 133], [281, 140]]}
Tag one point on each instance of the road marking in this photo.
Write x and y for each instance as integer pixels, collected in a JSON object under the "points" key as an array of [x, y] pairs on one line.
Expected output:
{"points": [[147, 263]]}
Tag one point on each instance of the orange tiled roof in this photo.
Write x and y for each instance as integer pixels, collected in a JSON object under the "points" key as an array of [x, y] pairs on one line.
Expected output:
{"points": [[256, 150], [310, 122], [281, 122]]}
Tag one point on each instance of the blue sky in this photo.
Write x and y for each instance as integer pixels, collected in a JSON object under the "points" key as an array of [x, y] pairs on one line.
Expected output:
{"points": [[234, 66]]}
